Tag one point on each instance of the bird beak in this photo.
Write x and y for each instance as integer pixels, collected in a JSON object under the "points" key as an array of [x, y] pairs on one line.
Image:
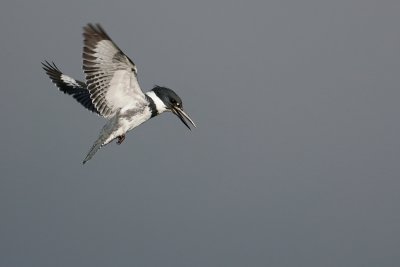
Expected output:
{"points": [[182, 116]]}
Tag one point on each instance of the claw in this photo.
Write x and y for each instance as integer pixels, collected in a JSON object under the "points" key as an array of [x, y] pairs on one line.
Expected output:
{"points": [[121, 139]]}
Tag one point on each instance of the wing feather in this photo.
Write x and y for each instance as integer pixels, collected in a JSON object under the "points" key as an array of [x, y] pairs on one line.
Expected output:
{"points": [[111, 76], [70, 86]]}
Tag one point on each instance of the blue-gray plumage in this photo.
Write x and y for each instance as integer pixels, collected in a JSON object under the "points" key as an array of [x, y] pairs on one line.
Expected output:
{"points": [[112, 90]]}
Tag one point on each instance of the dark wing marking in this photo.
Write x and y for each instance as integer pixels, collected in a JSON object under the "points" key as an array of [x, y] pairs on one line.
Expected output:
{"points": [[110, 74], [70, 86]]}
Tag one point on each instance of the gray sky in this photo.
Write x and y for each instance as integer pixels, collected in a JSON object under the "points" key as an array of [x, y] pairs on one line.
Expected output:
{"points": [[295, 161]]}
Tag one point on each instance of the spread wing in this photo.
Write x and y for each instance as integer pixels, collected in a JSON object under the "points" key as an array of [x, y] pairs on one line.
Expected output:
{"points": [[70, 86], [111, 76]]}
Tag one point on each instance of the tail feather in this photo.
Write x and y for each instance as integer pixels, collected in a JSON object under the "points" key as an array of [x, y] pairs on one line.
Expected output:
{"points": [[100, 142]]}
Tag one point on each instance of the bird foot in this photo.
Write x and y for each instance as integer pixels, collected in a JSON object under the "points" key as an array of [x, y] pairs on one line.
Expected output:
{"points": [[121, 138]]}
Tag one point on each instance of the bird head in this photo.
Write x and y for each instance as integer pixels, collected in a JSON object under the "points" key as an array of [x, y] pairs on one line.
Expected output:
{"points": [[173, 103]]}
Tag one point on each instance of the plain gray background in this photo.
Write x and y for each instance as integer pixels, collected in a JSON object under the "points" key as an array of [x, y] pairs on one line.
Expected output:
{"points": [[295, 161]]}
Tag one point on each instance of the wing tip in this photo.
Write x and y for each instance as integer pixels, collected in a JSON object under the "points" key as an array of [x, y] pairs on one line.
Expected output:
{"points": [[52, 71], [50, 67], [94, 31]]}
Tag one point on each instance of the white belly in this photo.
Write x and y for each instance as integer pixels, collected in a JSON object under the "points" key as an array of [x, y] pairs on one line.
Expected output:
{"points": [[122, 123]]}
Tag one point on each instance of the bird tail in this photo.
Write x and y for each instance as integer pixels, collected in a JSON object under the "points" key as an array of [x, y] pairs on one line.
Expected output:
{"points": [[100, 142]]}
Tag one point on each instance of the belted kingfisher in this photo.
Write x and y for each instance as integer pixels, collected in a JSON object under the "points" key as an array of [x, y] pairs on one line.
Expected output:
{"points": [[112, 89]]}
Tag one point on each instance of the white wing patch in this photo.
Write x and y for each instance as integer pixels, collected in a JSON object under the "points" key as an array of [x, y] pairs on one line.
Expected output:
{"points": [[119, 93], [69, 81]]}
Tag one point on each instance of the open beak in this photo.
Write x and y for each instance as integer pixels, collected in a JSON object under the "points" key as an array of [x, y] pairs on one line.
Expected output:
{"points": [[182, 116]]}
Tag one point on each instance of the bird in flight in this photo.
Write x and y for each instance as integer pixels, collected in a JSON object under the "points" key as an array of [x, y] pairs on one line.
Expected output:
{"points": [[112, 89]]}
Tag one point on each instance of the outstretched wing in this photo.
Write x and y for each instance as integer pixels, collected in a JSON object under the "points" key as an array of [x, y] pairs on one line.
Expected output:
{"points": [[70, 86], [110, 74]]}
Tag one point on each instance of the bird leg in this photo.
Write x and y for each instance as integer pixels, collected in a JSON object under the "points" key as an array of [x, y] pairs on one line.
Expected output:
{"points": [[121, 138]]}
